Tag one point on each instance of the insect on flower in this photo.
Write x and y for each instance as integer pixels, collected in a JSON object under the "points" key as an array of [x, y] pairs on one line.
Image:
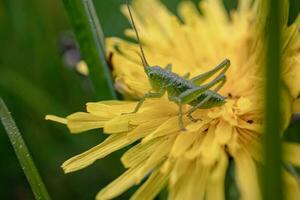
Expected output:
{"points": [[182, 90]]}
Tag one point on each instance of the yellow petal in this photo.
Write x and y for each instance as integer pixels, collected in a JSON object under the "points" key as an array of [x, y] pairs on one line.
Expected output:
{"points": [[182, 143], [56, 119], [119, 185], [151, 111], [246, 176], [80, 121], [296, 106], [210, 149], [148, 112], [151, 187], [192, 185], [286, 107], [195, 150], [119, 124], [167, 127], [291, 152], [109, 109], [167, 166], [139, 152], [244, 6], [255, 127], [244, 105], [188, 12], [145, 129], [223, 132], [216, 185], [156, 157], [111, 144], [215, 13], [291, 186], [192, 127], [215, 113], [180, 167]]}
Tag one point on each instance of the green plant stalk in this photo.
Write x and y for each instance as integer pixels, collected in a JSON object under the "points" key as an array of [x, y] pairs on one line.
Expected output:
{"points": [[95, 26], [32, 175], [272, 187], [91, 41]]}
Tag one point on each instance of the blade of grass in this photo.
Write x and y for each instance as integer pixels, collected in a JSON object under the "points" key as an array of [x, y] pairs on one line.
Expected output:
{"points": [[272, 188], [91, 41], [32, 175], [95, 25]]}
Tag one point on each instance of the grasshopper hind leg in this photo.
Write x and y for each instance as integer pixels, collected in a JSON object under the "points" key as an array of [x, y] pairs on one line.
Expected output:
{"points": [[193, 94], [206, 99], [221, 68]]}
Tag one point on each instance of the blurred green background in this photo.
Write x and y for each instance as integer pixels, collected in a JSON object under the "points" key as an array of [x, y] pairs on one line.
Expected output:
{"points": [[35, 80]]}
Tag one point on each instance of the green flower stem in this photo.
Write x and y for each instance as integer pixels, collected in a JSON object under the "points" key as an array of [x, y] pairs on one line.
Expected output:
{"points": [[22, 153], [272, 187], [91, 41], [95, 25]]}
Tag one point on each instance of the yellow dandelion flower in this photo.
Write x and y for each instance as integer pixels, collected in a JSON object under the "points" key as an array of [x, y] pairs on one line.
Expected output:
{"points": [[192, 164]]}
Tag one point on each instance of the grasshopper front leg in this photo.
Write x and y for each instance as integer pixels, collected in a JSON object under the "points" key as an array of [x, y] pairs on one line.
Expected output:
{"points": [[168, 67], [147, 95]]}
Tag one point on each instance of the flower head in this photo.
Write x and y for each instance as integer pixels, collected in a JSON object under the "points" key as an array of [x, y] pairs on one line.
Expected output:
{"points": [[192, 164]]}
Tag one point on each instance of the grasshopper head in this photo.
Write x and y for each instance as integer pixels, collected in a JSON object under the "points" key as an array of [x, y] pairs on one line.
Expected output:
{"points": [[155, 77]]}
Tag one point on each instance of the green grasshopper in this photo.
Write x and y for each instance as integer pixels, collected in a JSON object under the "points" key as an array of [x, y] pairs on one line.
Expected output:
{"points": [[181, 90]]}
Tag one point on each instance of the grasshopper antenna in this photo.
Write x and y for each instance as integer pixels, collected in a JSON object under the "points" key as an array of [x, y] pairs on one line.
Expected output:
{"points": [[143, 57]]}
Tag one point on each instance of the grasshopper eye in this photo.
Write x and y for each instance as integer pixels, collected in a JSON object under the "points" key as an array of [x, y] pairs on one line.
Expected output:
{"points": [[151, 75]]}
